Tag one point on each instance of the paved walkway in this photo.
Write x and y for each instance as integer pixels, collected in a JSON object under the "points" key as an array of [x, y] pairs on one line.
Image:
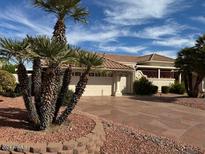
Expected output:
{"points": [[165, 119]]}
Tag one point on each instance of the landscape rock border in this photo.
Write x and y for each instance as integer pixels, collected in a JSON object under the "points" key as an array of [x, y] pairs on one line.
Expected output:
{"points": [[89, 144]]}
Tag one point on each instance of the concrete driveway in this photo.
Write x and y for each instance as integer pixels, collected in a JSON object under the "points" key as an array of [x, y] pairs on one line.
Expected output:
{"points": [[165, 119]]}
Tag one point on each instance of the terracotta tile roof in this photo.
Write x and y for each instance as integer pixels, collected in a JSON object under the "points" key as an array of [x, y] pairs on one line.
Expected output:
{"points": [[113, 65], [135, 59], [108, 64], [157, 57]]}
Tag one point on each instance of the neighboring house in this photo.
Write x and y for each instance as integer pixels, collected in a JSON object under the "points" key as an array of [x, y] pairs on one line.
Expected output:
{"points": [[157, 68]]}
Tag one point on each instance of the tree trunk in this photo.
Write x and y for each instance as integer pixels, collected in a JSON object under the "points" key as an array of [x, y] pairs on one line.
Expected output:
{"points": [[26, 91], [196, 86], [59, 30], [61, 96], [36, 82], [80, 88], [50, 88]]}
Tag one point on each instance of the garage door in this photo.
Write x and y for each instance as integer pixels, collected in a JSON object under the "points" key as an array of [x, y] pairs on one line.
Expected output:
{"points": [[97, 86]]}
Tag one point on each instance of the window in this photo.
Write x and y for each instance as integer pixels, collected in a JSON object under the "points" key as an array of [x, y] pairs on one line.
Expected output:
{"points": [[150, 73], [166, 74]]}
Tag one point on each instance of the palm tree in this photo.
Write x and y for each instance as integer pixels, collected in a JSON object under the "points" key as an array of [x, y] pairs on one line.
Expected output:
{"points": [[17, 51], [86, 60], [63, 9], [191, 63]]}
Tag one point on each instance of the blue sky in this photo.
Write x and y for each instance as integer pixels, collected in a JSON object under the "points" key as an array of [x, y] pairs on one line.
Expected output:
{"points": [[135, 27]]}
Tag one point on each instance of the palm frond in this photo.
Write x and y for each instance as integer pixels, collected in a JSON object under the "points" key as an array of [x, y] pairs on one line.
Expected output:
{"points": [[62, 8], [90, 59], [15, 49], [52, 50]]}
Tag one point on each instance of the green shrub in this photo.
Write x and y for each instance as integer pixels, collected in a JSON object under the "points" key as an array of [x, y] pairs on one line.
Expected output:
{"points": [[9, 68], [144, 87], [165, 89], [7, 82], [154, 89], [68, 97], [177, 88]]}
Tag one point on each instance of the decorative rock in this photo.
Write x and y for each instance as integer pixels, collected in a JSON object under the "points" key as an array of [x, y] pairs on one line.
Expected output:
{"points": [[68, 145], [4, 152], [14, 152], [38, 148], [54, 147], [65, 152]]}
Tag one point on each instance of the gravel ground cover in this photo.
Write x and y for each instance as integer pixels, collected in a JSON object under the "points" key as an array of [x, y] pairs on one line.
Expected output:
{"points": [[122, 139], [14, 127], [198, 103]]}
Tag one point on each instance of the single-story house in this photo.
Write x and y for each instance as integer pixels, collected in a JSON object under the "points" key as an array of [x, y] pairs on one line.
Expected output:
{"points": [[118, 72]]}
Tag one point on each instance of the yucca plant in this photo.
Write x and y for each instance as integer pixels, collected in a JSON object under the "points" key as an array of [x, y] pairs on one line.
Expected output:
{"points": [[87, 60]]}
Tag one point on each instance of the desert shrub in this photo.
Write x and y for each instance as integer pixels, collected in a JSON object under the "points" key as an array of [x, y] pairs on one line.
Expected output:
{"points": [[68, 97], [154, 89], [9, 68], [7, 82], [144, 87], [177, 88], [165, 89]]}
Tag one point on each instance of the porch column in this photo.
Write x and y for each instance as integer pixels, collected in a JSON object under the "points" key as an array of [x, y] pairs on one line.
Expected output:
{"points": [[159, 73], [118, 92], [180, 78]]}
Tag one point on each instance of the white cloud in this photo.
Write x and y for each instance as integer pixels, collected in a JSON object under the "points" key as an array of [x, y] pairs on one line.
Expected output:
{"points": [[170, 29], [15, 15], [199, 19], [133, 12], [100, 34], [120, 48], [175, 42]]}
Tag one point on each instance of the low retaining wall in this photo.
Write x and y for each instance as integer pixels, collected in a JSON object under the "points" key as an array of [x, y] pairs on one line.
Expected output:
{"points": [[89, 144]]}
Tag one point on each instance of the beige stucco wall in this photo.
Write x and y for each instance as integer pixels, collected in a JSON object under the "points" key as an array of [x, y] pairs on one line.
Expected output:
{"points": [[161, 82], [123, 85], [97, 86]]}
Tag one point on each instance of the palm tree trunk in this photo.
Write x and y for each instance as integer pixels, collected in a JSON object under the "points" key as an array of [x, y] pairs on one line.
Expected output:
{"points": [[50, 82], [59, 30], [196, 86], [80, 88], [61, 97], [26, 91], [36, 82], [190, 82]]}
